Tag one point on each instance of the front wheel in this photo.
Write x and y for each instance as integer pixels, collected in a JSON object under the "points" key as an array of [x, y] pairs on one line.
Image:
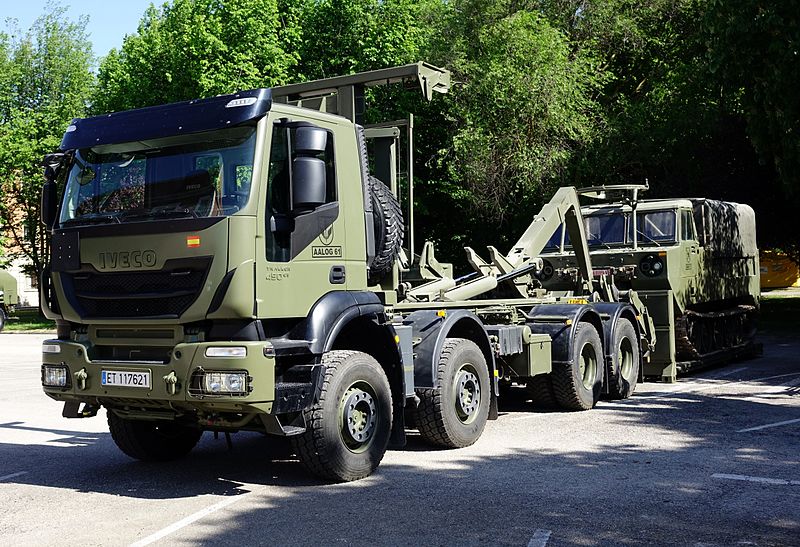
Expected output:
{"points": [[152, 441], [348, 430], [455, 415]]}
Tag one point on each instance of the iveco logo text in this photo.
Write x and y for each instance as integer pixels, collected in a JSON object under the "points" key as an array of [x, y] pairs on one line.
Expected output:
{"points": [[127, 259]]}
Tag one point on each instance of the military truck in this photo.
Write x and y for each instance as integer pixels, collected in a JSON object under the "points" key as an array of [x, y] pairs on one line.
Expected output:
{"points": [[9, 297], [231, 263], [693, 263]]}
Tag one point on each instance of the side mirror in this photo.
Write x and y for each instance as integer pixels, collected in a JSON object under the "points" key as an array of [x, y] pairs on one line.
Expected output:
{"points": [[310, 141], [309, 177], [49, 203], [309, 183]]}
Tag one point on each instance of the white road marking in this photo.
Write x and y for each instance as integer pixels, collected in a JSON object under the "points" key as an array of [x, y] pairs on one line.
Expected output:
{"points": [[540, 538], [767, 426], [763, 480], [12, 475], [731, 372], [194, 517]]}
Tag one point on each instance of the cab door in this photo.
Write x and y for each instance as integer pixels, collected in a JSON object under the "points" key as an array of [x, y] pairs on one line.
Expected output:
{"points": [[690, 251], [300, 258]]}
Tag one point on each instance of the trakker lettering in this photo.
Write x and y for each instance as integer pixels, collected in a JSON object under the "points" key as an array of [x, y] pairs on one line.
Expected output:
{"points": [[113, 260]]}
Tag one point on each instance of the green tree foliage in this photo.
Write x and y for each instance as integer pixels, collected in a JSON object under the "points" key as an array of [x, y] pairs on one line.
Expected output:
{"points": [[755, 48], [522, 104], [45, 80], [348, 36], [198, 48]]}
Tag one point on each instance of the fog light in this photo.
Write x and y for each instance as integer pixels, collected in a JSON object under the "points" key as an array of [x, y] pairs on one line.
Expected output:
{"points": [[225, 383], [51, 348], [55, 376], [226, 351]]}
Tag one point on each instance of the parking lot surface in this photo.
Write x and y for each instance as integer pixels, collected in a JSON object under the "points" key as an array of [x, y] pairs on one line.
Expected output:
{"points": [[711, 460]]}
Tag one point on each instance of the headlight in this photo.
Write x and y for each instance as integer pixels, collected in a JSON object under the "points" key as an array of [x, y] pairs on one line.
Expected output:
{"points": [[651, 265], [55, 376], [215, 382], [546, 272], [226, 351]]}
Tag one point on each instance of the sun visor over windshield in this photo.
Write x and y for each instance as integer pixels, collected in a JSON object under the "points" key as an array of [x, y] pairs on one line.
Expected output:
{"points": [[167, 120]]}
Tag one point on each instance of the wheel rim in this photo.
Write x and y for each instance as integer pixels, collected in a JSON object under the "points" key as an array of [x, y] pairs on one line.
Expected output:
{"points": [[467, 389], [588, 366], [625, 357], [358, 416]]}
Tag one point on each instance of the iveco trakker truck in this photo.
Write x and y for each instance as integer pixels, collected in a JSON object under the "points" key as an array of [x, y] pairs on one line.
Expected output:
{"points": [[237, 263]]}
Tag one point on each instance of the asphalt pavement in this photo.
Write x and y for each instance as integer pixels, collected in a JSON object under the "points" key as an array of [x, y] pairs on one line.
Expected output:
{"points": [[711, 460]]}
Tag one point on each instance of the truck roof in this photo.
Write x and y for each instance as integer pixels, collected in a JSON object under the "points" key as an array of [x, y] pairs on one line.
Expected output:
{"points": [[165, 120], [642, 205]]}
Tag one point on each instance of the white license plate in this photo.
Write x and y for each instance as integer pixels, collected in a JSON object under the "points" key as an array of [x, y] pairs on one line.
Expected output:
{"points": [[125, 379]]}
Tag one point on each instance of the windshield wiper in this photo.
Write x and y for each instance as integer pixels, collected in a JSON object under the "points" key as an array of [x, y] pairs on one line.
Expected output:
{"points": [[183, 213], [648, 238], [94, 218]]}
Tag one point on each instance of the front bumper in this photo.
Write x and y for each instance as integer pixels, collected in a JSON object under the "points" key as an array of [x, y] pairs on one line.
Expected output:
{"points": [[170, 383]]}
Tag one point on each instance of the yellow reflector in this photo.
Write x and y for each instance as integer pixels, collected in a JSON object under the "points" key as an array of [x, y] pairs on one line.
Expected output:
{"points": [[192, 241], [662, 253], [441, 313], [496, 373], [396, 339], [568, 322]]}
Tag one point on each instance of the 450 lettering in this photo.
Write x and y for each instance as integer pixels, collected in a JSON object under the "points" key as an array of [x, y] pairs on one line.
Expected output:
{"points": [[127, 259]]}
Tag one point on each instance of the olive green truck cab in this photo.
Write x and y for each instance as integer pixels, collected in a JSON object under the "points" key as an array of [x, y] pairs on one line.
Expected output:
{"points": [[693, 263], [230, 264]]}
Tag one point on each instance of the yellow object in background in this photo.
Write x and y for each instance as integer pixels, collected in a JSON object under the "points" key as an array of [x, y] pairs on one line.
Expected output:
{"points": [[778, 271]]}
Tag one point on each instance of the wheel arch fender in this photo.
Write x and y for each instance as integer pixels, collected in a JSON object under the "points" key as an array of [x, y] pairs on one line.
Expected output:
{"points": [[432, 328], [560, 322], [611, 313], [357, 321]]}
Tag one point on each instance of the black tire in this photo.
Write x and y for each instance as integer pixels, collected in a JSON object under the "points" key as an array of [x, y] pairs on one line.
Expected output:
{"points": [[623, 373], [389, 229], [577, 385], [2, 319], [455, 415], [348, 430], [540, 388], [152, 441]]}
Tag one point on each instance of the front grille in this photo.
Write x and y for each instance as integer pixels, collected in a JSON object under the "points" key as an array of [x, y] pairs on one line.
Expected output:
{"points": [[164, 293]]}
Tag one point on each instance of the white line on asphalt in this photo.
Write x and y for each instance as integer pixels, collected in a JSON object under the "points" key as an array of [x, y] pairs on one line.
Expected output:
{"points": [[12, 475], [766, 426], [764, 480], [540, 538], [730, 372], [194, 517]]}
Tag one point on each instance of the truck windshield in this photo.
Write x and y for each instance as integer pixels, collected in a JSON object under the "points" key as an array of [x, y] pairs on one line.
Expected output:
{"points": [[607, 230], [204, 174]]}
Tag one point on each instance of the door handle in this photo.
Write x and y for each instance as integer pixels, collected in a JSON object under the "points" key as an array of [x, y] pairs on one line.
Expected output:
{"points": [[337, 275]]}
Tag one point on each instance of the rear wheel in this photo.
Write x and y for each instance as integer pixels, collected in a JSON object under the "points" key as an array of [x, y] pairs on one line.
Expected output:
{"points": [[455, 415], [540, 388], [152, 441], [348, 430], [577, 384], [625, 361]]}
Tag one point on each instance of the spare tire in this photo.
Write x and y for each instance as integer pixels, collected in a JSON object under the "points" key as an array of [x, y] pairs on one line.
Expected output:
{"points": [[389, 228]]}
